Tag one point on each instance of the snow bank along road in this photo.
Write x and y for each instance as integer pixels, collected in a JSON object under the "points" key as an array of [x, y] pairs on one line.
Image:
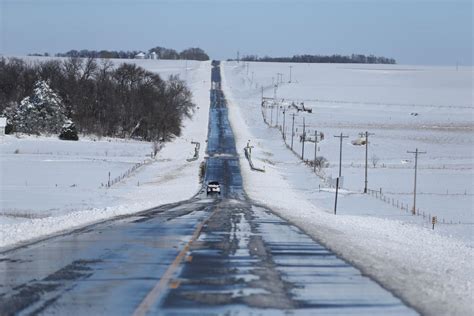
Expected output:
{"points": [[222, 254]]}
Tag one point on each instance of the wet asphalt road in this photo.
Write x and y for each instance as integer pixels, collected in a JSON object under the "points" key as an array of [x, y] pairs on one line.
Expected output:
{"points": [[208, 255]]}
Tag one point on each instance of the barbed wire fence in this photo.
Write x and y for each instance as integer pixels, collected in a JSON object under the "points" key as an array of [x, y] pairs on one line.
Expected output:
{"points": [[112, 181]]}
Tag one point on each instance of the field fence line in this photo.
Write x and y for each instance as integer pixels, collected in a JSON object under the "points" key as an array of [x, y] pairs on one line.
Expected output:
{"points": [[128, 173], [380, 195]]}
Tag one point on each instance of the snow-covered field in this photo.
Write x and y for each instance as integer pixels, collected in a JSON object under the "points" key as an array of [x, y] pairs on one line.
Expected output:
{"points": [[429, 108], [49, 185], [432, 270]]}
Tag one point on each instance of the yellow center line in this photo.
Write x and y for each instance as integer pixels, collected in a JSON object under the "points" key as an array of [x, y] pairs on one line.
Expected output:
{"points": [[153, 296]]}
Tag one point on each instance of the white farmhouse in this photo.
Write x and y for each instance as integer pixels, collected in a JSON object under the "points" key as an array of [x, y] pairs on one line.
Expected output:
{"points": [[140, 55], [153, 55], [3, 124]]}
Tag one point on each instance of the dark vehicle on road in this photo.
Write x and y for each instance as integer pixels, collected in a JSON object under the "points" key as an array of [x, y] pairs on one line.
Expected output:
{"points": [[213, 187]]}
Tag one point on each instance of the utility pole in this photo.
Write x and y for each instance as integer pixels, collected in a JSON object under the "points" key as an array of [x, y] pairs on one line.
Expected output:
{"points": [[247, 69], [271, 114], [251, 81], [304, 138], [262, 94], [292, 130], [278, 111], [284, 130], [416, 152], [290, 73], [266, 112], [279, 77], [340, 151], [367, 134], [315, 148]]}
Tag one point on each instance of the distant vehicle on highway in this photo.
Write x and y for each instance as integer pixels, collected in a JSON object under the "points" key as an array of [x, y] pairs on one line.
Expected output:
{"points": [[213, 187]]}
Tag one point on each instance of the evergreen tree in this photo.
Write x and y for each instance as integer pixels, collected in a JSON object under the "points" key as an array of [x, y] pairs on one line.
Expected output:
{"points": [[42, 112], [68, 131]]}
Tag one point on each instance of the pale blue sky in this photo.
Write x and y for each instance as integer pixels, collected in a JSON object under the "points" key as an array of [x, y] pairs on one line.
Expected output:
{"points": [[411, 31]]}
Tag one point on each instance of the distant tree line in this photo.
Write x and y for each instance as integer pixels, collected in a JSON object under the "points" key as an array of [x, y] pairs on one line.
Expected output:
{"points": [[101, 98], [193, 53], [353, 59]]}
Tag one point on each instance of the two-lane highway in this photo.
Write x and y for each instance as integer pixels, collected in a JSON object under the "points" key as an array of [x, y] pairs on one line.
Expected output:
{"points": [[218, 255]]}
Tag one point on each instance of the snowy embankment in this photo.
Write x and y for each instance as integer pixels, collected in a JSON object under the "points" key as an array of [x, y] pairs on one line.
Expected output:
{"points": [[429, 270], [49, 186]]}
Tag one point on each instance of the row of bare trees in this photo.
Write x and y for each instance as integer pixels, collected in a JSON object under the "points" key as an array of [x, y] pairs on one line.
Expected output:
{"points": [[341, 59], [103, 98], [192, 53]]}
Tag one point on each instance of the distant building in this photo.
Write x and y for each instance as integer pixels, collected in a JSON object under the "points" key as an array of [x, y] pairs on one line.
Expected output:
{"points": [[140, 55], [3, 124], [153, 55]]}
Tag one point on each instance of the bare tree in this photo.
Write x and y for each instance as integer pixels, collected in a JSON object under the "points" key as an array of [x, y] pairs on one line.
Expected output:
{"points": [[375, 160], [156, 146]]}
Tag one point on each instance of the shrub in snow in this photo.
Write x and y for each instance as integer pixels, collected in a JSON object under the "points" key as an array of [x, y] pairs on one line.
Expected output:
{"points": [[156, 147], [8, 129], [68, 131], [320, 163], [42, 112], [375, 160]]}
